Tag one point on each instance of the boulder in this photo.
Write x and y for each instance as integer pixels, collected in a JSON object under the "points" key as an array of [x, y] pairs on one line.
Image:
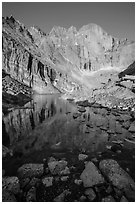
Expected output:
{"points": [[11, 184], [91, 175], [56, 167], [118, 177], [30, 170], [8, 196]]}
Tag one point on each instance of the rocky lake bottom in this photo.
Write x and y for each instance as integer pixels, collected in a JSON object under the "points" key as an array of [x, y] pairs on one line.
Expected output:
{"points": [[58, 151]]}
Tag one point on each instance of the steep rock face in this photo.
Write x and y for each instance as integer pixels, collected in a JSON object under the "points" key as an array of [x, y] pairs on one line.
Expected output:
{"points": [[20, 61], [63, 60], [90, 48]]}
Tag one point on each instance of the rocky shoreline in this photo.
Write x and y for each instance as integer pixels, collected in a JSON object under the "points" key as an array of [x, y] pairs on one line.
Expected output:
{"points": [[56, 181], [84, 178]]}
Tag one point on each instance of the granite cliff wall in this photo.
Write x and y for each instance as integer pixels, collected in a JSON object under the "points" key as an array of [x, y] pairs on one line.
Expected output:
{"points": [[56, 62]]}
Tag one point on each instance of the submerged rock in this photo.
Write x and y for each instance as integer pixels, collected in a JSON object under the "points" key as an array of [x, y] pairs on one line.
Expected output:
{"points": [[30, 170], [81, 109], [132, 127], [91, 175], [76, 115], [6, 151], [119, 178]]}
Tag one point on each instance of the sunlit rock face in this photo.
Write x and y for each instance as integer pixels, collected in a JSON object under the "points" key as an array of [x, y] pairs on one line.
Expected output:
{"points": [[63, 60], [20, 61]]}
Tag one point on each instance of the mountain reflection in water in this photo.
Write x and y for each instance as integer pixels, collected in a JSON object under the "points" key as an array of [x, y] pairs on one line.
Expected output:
{"points": [[47, 122]]}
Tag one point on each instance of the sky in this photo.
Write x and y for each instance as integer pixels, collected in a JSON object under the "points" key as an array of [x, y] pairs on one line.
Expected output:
{"points": [[116, 18]]}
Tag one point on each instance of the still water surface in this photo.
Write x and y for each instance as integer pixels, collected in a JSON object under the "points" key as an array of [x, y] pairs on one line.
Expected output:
{"points": [[44, 127]]}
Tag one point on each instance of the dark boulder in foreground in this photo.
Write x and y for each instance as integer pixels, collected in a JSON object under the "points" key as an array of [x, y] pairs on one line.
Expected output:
{"points": [[118, 177], [91, 175]]}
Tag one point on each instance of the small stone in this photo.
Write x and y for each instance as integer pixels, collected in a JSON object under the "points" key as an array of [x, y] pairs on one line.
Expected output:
{"points": [[108, 199], [78, 181], [64, 178], [47, 181], [31, 195], [82, 157], [91, 175], [90, 194]]}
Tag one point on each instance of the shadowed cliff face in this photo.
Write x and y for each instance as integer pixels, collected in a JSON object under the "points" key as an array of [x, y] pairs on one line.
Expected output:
{"points": [[63, 60]]}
